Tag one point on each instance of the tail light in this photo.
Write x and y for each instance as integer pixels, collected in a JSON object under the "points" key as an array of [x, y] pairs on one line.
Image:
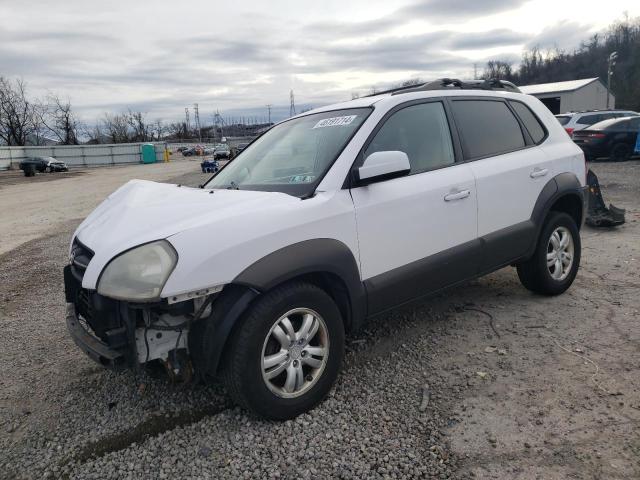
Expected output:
{"points": [[595, 135], [569, 131]]}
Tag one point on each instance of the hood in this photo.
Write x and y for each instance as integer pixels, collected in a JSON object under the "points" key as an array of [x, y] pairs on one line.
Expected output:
{"points": [[142, 211]]}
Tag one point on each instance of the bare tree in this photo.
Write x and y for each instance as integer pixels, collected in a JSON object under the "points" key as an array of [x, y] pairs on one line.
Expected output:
{"points": [[59, 120], [116, 127], [138, 125], [498, 69], [17, 113]]}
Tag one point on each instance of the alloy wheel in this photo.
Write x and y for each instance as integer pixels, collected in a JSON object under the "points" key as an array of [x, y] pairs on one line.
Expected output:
{"points": [[295, 353], [560, 251]]}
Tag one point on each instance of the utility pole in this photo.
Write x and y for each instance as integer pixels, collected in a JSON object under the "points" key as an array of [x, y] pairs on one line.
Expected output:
{"points": [[292, 105], [187, 127], [475, 71], [269, 110], [612, 63], [196, 117]]}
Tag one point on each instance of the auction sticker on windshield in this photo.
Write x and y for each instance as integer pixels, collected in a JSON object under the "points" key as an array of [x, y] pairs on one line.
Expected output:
{"points": [[336, 121]]}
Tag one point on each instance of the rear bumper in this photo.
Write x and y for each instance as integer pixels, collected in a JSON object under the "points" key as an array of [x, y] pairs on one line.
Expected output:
{"points": [[96, 349]]}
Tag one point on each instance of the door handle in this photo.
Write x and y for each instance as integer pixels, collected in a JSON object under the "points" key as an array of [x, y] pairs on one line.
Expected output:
{"points": [[459, 195], [539, 172]]}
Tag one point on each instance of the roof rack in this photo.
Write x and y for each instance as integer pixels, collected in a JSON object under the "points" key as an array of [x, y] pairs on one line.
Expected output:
{"points": [[446, 83]]}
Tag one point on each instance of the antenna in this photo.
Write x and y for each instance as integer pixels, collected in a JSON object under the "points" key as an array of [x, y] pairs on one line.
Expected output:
{"points": [[292, 106]]}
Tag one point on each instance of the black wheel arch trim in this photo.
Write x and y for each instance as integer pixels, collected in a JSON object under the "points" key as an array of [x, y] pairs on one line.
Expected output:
{"points": [[562, 185], [316, 256]]}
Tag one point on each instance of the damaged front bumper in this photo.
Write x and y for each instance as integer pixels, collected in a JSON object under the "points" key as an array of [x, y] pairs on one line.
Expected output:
{"points": [[118, 334], [94, 347]]}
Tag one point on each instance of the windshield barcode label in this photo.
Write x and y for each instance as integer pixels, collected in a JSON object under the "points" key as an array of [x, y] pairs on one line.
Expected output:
{"points": [[335, 121]]}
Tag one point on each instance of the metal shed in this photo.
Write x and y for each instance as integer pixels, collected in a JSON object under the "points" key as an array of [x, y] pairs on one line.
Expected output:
{"points": [[572, 96]]}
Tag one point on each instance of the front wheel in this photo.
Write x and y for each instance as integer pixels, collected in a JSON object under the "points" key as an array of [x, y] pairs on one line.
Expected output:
{"points": [[286, 355], [554, 265]]}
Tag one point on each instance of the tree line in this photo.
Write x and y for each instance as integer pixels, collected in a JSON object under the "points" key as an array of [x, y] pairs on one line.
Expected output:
{"points": [[589, 60], [31, 121]]}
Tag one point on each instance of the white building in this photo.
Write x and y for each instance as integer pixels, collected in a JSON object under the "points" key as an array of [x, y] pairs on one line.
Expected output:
{"points": [[572, 96]]}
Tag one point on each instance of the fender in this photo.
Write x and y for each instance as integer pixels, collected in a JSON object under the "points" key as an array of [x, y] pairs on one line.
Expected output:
{"points": [[562, 185], [322, 255]]}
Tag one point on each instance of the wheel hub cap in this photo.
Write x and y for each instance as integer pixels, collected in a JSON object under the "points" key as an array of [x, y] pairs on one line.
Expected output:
{"points": [[295, 352], [560, 250]]}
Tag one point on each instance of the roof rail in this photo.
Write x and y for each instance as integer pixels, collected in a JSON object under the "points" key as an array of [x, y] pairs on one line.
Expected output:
{"points": [[446, 83]]}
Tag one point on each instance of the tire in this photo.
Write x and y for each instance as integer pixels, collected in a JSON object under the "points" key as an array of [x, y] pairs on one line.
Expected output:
{"points": [[244, 372], [539, 277], [620, 152]]}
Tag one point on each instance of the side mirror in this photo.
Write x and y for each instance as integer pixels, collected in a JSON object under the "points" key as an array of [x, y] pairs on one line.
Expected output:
{"points": [[382, 166]]}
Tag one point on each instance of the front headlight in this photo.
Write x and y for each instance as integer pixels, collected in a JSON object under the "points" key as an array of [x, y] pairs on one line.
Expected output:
{"points": [[140, 273]]}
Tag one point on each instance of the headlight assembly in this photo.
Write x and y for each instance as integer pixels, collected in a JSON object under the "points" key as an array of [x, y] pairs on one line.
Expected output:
{"points": [[140, 273]]}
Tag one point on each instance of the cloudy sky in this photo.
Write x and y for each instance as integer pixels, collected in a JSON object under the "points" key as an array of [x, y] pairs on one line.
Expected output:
{"points": [[160, 56]]}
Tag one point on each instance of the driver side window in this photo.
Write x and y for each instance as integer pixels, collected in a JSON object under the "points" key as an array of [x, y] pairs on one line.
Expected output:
{"points": [[422, 132]]}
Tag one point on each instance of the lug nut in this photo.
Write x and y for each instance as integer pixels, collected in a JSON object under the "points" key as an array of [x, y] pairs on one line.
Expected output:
{"points": [[304, 353], [295, 363]]}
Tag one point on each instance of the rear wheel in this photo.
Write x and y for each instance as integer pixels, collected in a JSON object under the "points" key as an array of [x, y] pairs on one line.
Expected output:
{"points": [[554, 265], [287, 353], [620, 152]]}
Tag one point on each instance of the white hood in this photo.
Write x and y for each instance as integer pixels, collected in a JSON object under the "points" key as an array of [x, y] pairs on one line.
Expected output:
{"points": [[142, 211]]}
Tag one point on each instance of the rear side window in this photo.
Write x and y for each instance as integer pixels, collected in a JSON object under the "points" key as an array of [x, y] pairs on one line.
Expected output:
{"points": [[488, 127], [563, 120], [422, 132], [531, 122], [589, 119]]}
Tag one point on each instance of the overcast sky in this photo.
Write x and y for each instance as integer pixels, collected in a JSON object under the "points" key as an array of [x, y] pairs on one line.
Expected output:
{"points": [[160, 56]]}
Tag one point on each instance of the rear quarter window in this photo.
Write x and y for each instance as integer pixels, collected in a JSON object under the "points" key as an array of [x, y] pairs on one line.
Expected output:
{"points": [[564, 120], [488, 127], [531, 122]]}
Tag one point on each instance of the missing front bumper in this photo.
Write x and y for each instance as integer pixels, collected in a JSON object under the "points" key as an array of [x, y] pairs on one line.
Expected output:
{"points": [[96, 349]]}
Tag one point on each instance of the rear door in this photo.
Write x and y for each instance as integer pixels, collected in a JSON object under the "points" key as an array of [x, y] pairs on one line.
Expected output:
{"points": [[416, 233], [510, 172]]}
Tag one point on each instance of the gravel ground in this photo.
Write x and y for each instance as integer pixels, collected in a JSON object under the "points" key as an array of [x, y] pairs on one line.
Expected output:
{"points": [[515, 385]]}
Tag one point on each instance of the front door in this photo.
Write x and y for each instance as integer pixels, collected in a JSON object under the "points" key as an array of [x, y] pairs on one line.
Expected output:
{"points": [[416, 233]]}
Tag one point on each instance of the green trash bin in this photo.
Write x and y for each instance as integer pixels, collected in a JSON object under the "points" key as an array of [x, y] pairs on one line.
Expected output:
{"points": [[148, 153]]}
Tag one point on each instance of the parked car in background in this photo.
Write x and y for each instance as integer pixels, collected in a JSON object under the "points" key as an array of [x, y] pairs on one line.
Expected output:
{"points": [[256, 277], [574, 121], [615, 138], [221, 152], [189, 152], [241, 147], [209, 166], [42, 164]]}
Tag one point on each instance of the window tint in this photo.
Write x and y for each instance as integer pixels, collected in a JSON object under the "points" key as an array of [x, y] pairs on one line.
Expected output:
{"points": [[531, 122], [488, 127], [634, 124], [422, 132], [589, 119]]}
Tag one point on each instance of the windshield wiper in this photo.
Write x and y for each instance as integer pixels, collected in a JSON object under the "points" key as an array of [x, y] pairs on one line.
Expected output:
{"points": [[233, 186]]}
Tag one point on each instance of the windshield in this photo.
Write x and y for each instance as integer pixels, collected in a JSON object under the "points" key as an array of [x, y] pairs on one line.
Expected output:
{"points": [[563, 119], [293, 156]]}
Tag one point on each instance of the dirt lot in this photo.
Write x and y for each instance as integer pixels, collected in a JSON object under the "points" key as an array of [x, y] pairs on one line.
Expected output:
{"points": [[518, 386]]}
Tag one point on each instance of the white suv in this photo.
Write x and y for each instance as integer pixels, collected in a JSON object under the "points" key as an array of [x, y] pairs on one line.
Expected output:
{"points": [[327, 219], [575, 121]]}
